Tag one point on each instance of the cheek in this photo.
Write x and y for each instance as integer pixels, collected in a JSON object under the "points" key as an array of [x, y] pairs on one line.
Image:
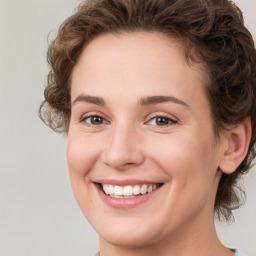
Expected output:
{"points": [[188, 160], [192, 174], [81, 154]]}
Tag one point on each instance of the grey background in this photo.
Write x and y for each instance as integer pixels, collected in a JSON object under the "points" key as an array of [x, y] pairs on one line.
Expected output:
{"points": [[38, 213]]}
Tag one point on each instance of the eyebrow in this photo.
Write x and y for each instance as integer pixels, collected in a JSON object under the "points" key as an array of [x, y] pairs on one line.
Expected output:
{"points": [[145, 101], [90, 99], [151, 100]]}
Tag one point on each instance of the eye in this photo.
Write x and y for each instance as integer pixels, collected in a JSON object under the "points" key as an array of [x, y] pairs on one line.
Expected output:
{"points": [[94, 120], [161, 121]]}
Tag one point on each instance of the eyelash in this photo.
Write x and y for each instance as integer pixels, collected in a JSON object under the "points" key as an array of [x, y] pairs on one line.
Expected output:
{"points": [[83, 119], [170, 120]]}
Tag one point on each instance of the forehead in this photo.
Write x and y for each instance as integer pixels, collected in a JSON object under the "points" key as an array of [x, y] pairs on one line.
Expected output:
{"points": [[153, 44], [133, 60]]}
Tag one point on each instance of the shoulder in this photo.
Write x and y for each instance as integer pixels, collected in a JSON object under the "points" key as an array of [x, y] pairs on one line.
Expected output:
{"points": [[237, 253]]}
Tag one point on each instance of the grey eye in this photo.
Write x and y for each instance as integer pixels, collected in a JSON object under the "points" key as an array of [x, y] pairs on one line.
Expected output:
{"points": [[94, 120], [161, 121]]}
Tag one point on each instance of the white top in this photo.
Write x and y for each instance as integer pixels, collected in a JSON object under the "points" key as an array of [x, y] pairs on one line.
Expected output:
{"points": [[237, 253]]}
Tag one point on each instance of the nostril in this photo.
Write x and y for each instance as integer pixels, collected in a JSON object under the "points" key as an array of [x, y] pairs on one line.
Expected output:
{"points": [[122, 150]]}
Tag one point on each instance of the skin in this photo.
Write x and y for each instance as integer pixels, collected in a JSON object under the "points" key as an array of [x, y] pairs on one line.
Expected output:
{"points": [[128, 143]]}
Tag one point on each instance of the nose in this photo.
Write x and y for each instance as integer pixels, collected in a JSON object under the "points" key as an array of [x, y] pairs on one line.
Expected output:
{"points": [[122, 149]]}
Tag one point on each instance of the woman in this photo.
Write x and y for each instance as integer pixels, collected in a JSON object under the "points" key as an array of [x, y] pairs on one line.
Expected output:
{"points": [[158, 100]]}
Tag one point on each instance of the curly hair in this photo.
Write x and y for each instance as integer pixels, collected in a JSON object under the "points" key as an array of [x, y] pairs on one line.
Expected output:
{"points": [[212, 32]]}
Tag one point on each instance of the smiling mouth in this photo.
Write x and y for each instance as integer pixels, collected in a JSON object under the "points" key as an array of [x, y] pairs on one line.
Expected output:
{"points": [[129, 191]]}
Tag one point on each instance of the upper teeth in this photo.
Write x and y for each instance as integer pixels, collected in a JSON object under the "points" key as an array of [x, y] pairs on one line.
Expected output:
{"points": [[119, 191]]}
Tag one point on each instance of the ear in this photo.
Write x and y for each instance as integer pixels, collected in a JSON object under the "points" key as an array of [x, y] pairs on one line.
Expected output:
{"points": [[236, 143]]}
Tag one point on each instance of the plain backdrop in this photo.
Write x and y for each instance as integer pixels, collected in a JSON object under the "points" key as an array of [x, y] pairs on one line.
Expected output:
{"points": [[38, 213]]}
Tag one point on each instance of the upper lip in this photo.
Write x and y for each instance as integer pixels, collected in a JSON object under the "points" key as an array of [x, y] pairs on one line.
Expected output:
{"points": [[125, 182]]}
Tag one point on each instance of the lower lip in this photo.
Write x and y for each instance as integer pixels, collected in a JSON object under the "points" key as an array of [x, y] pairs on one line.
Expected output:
{"points": [[125, 203]]}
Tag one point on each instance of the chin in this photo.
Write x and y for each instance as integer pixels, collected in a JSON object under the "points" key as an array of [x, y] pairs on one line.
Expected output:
{"points": [[128, 239], [129, 232]]}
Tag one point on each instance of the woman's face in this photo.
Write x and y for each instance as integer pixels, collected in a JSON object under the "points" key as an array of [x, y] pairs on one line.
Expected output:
{"points": [[141, 128]]}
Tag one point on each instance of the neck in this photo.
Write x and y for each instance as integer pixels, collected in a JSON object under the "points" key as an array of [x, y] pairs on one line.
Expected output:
{"points": [[198, 238]]}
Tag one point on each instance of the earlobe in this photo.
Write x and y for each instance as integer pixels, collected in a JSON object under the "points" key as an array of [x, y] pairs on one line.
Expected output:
{"points": [[236, 146]]}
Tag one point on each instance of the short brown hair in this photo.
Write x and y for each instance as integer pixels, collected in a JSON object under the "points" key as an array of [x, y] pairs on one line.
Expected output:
{"points": [[213, 33]]}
